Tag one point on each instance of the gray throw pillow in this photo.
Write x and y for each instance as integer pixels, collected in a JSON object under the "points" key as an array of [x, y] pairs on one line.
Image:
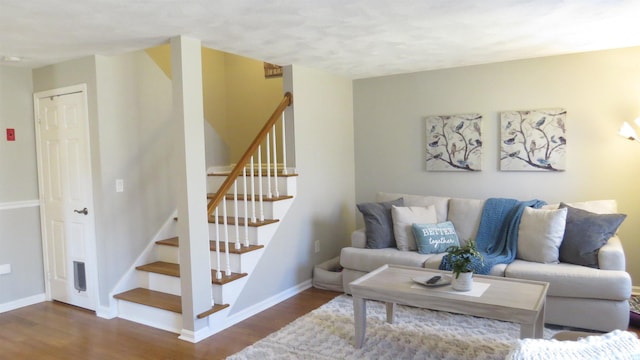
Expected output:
{"points": [[378, 223], [585, 233]]}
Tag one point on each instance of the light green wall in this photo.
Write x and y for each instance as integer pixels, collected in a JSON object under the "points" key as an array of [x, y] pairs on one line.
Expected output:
{"points": [[20, 244], [324, 206], [599, 90]]}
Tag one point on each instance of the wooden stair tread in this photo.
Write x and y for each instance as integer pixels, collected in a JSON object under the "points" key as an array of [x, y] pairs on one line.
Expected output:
{"points": [[152, 298], [161, 267], [214, 309], [255, 174], [171, 269], [163, 301], [212, 246], [225, 279], [169, 242], [232, 248], [231, 221], [241, 197], [241, 221]]}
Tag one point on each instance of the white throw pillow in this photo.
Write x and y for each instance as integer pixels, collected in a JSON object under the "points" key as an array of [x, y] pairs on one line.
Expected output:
{"points": [[540, 235], [404, 217]]}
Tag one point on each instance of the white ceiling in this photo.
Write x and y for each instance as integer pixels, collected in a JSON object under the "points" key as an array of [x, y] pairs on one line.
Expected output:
{"points": [[351, 38]]}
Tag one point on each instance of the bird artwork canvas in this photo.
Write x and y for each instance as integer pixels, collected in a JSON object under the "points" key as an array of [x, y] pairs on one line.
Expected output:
{"points": [[533, 140], [454, 142]]}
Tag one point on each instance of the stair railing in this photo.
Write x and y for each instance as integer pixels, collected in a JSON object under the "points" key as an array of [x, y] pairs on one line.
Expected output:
{"points": [[254, 212]]}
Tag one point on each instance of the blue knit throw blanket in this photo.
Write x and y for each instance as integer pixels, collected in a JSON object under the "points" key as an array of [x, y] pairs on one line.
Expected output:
{"points": [[497, 238]]}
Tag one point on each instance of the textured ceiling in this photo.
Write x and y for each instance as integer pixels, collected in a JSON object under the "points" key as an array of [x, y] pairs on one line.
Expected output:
{"points": [[351, 38]]}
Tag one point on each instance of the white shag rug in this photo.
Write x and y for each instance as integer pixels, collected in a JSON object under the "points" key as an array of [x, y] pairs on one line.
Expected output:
{"points": [[327, 333]]}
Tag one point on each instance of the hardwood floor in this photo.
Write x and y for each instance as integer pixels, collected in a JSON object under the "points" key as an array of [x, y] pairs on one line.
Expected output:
{"points": [[53, 330]]}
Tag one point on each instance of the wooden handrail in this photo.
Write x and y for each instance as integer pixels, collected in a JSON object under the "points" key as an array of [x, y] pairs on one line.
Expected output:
{"points": [[287, 100]]}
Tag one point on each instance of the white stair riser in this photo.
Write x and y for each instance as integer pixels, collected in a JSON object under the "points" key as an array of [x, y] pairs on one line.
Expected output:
{"points": [[170, 254], [240, 263], [258, 235], [159, 282], [286, 186], [229, 292], [150, 316], [270, 209]]}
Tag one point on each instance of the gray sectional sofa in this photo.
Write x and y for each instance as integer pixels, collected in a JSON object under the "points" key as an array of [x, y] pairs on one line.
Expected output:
{"points": [[579, 296]]}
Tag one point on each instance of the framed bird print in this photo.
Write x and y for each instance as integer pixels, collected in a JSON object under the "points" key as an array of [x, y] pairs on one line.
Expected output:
{"points": [[454, 142], [533, 140]]}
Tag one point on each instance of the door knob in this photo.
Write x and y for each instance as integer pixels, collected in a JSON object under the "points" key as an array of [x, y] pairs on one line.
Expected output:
{"points": [[83, 211]]}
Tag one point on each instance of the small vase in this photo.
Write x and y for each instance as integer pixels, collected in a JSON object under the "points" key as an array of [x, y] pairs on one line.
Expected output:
{"points": [[464, 282]]}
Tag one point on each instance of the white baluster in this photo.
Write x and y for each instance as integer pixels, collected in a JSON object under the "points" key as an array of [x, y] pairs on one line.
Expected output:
{"points": [[268, 167], [253, 193], [235, 213], [275, 162], [226, 236], [246, 211], [217, 225], [261, 207], [284, 147]]}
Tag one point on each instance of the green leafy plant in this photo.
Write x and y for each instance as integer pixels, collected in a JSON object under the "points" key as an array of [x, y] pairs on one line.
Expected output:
{"points": [[461, 257]]}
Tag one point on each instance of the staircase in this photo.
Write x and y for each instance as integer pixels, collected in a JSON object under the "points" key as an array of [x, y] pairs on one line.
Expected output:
{"points": [[245, 208]]}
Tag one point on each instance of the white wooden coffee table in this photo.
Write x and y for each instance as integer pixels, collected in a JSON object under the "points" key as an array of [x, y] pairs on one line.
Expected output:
{"points": [[513, 300]]}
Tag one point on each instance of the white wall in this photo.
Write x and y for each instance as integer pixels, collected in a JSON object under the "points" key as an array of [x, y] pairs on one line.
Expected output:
{"points": [[131, 139], [137, 132], [20, 242], [599, 90], [324, 206]]}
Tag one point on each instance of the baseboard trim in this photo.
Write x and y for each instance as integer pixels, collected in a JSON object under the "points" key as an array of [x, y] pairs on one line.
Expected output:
{"points": [[267, 303], [16, 304], [107, 312], [195, 337], [635, 290]]}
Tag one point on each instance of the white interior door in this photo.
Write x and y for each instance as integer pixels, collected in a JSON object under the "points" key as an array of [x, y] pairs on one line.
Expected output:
{"points": [[64, 166]]}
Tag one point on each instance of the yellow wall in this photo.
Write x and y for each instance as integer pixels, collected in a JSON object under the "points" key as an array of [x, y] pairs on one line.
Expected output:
{"points": [[251, 100], [238, 99]]}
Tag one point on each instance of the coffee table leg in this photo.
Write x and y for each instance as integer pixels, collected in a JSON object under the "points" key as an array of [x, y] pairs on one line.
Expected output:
{"points": [[539, 333], [360, 320], [390, 309], [535, 330]]}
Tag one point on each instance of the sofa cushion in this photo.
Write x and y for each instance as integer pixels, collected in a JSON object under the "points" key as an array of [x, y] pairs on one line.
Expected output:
{"points": [[585, 233], [567, 280], [465, 215], [441, 203], [540, 234], [403, 217], [370, 259], [595, 206], [378, 224], [435, 238]]}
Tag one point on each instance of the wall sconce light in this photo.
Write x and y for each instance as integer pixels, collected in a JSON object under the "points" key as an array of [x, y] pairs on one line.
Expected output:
{"points": [[627, 131]]}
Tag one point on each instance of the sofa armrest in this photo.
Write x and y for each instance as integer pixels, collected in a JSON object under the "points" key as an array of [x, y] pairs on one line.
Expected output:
{"points": [[359, 239], [611, 255]]}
